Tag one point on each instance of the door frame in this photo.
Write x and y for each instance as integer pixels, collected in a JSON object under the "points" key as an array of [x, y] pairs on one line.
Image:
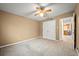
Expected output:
{"points": [[75, 37]]}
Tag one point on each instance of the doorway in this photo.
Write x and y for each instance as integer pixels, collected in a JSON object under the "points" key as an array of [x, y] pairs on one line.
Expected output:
{"points": [[66, 30]]}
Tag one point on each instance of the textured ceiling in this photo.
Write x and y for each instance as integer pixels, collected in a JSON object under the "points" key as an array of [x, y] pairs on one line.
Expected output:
{"points": [[26, 9]]}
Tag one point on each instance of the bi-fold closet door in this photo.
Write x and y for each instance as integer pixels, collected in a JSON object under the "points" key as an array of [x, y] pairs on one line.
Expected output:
{"points": [[49, 29]]}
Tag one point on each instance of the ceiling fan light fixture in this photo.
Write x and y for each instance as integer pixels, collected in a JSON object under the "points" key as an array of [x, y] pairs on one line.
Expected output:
{"points": [[42, 10], [41, 14]]}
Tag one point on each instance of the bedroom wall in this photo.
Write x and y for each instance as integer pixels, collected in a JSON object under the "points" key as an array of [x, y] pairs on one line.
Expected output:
{"points": [[58, 24], [15, 28], [77, 23]]}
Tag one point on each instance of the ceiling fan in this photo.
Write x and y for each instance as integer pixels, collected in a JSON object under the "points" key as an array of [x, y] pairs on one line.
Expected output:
{"points": [[42, 9]]}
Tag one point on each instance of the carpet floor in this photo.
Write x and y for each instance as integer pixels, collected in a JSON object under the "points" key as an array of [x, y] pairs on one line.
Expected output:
{"points": [[40, 47]]}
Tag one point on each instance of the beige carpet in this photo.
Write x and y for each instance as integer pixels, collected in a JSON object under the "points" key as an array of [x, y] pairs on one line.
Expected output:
{"points": [[40, 47]]}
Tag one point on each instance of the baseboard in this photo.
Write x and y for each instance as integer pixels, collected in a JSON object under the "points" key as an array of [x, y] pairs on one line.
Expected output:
{"points": [[18, 42]]}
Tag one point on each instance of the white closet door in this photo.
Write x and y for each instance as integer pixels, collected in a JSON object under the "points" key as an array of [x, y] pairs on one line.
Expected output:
{"points": [[45, 30], [49, 30]]}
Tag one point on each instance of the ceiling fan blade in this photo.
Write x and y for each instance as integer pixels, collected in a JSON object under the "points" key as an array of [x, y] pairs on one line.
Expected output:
{"points": [[49, 10], [38, 8], [36, 14]]}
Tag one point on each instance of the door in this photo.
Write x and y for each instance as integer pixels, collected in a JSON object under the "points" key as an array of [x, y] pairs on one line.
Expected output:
{"points": [[49, 29]]}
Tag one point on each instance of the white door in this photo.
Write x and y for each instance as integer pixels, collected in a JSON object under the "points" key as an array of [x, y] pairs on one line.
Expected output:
{"points": [[45, 30], [49, 29]]}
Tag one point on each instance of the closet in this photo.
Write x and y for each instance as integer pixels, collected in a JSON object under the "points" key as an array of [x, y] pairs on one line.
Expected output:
{"points": [[49, 29]]}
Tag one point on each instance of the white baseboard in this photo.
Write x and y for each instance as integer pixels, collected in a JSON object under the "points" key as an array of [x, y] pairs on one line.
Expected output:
{"points": [[18, 42]]}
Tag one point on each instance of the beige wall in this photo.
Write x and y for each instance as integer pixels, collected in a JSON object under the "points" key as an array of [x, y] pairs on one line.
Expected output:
{"points": [[15, 28], [77, 23]]}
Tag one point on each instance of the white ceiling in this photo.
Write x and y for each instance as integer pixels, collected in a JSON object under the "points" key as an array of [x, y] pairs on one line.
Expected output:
{"points": [[23, 9]]}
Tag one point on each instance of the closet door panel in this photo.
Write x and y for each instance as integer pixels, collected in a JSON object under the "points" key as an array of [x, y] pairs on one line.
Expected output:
{"points": [[49, 30], [45, 26], [52, 29]]}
